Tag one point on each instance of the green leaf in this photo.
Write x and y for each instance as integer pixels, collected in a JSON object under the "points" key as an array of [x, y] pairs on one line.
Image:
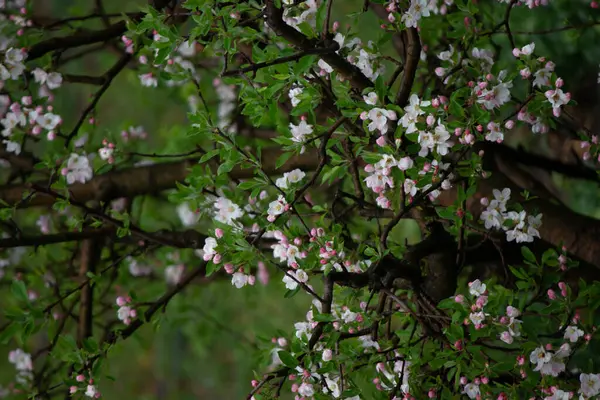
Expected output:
{"points": [[517, 273], [90, 345], [9, 332], [225, 168], [283, 158], [528, 255], [304, 64], [287, 359], [19, 290], [324, 318], [208, 156], [548, 255]]}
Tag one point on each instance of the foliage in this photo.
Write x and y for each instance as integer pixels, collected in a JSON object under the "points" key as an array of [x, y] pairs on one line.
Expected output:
{"points": [[369, 169]]}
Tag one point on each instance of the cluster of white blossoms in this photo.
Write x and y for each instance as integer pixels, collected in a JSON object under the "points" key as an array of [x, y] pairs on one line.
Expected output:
{"points": [[174, 273], [227, 212], [377, 117], [300, 132], [223, 210], [14, 64], [295, 95], [493, 91], [138, 269], [187, 216], [227, 96], [21, 118], [277, 207], [304, 12], [363, 57], [518, 226], [479, 291], [91, 390], [78, 169], [125, 312], [528, 3], [548, 362], [23, 364], [290, 178], [542, 78], [51, 80], [380, 178], [308, 381]]}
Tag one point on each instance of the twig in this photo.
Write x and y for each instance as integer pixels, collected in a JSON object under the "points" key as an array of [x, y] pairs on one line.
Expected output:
{"points": [[109, 76], [281, 60]]}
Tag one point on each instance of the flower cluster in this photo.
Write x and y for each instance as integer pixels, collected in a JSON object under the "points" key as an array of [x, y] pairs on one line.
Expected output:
{"points": [[126, 312], [227, 212], [25, 119], [300, 132], [14, 64], [106, 152], [290, 178], [78, 169], [23, 364], [496, 216], [91, 390], [277, 207]]}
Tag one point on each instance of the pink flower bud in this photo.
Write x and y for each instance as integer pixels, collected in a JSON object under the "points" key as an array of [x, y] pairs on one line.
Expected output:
{"points": [[551, 294], [520, 360], [336, 26], [217, 258], [219, 233], [435, 103], [559, 82], [431, 394], [463, 380], [459, 298], [516, 52], [73, 389], [251, 280], [282, 342], [380, 141], [229, 268], [509, 124], [485, 380], [121, 301]]}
